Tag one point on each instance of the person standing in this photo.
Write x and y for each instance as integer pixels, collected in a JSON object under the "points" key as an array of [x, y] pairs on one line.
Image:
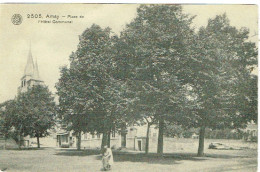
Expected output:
{"points": [[107, 158]]}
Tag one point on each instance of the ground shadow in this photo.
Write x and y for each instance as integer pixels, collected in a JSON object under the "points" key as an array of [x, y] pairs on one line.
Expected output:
{"points": [[122, 154], [167, 158], [71, 152], [152, 158], [224, 156], [27, 149]]}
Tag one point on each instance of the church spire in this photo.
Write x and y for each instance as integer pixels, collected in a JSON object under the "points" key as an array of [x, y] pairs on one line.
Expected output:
{"points": [[36, 75], [31, 74], [29, 68]]}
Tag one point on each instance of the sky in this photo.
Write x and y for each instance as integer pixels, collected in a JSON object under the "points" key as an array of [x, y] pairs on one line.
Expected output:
{"points": [[52, 43]]}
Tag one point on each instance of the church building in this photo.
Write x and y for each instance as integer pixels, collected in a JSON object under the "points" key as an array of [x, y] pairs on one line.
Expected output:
{"points": [[30, 78], [31, 75]]}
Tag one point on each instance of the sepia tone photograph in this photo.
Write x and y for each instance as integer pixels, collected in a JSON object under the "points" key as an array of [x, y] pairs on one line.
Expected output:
{"points": [[128, 87]]}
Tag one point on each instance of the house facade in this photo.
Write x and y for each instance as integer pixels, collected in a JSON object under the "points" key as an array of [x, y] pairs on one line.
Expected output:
{"points": [[251, 132], [133, 139]]}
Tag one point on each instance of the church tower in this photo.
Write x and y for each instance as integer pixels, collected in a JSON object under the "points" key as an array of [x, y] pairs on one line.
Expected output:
{"points": [[31, 75]]}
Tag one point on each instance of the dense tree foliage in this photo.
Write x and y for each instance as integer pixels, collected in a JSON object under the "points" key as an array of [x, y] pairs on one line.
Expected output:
{"points": [[220, 74], [90, 94], [31, 113], [154, 47], [160, 71]]}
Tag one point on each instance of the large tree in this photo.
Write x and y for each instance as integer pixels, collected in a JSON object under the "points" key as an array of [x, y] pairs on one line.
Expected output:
{"points": [[70, 109], [31, 113], [40, 110], [7, 129], [90, 93], [219, 74], [154, 47]]}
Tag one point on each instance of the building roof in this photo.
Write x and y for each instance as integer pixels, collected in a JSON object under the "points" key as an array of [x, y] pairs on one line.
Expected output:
{"points": [[251, 127], [141, 130], [36, 75], [62, 132], [29, 68]]}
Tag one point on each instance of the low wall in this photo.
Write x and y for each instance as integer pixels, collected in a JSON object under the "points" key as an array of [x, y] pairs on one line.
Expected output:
{"points": [[114, 143], [93, 143]]}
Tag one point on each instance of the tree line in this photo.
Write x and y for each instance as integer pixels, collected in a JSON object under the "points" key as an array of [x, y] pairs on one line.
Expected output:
{"points": [[176, 131], [160, 71]]}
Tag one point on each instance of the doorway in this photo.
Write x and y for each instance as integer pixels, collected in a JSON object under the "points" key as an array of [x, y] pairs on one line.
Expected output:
{"points": [[140, 145], [123, 140]]}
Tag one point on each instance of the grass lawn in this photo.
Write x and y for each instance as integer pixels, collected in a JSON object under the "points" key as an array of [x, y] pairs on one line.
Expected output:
{"points": [[50, 159]]}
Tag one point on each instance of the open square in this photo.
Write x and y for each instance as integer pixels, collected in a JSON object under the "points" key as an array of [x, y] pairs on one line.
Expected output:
{"points": [[54, 159]]}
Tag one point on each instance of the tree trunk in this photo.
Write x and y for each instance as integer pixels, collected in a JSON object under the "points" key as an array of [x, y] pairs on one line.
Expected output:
{"points": [[160, 138], [201, 141], [104, 140], [5, 144], [38, 140], [108, 138], [79, 141], [147, 139], [19, 140]]}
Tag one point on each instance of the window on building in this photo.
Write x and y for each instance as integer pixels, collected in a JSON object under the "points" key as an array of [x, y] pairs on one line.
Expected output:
{"points": [[85, 136], [93, 136], [254, 133], [113, 134], [98, 136]]}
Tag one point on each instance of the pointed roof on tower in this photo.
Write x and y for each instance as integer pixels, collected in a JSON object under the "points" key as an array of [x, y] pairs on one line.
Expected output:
{"points": [[36, 75], [29, 68]]}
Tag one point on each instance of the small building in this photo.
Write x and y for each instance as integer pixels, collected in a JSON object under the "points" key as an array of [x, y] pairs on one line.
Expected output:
{"points": [[63, 139], [250, 132], [195, 136], [134, 138]]}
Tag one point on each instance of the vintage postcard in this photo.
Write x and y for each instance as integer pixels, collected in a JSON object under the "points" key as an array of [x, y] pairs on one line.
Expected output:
{"points": [[128, 87]]}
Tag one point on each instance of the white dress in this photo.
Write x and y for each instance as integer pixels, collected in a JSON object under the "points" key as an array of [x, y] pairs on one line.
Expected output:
{"points": [[108, 158]]}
